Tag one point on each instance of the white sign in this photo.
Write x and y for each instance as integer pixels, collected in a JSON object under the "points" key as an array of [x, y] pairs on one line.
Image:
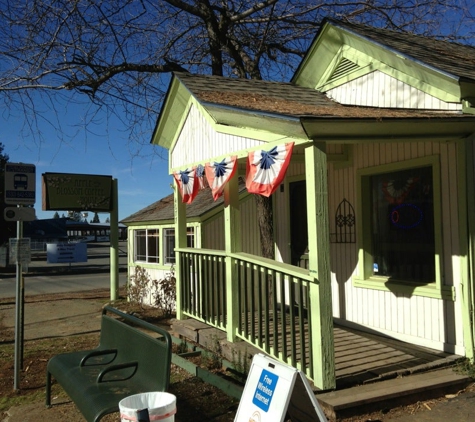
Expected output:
{"points": [[58, 253], [20, 184], [274, 389], [20, 251], [19, 214]]}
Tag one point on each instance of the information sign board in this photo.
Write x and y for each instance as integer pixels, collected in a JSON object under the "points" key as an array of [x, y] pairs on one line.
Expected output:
{"points": [[274, 389], [20, 184], [20, 251], [58, 253], [76, 192]]}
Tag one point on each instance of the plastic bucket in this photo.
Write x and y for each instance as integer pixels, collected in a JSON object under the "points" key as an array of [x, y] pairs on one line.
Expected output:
{"points": [[161, 406]]}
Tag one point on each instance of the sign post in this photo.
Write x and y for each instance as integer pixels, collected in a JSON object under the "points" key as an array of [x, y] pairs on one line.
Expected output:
{"points": [[20, 190], [274, 389]]}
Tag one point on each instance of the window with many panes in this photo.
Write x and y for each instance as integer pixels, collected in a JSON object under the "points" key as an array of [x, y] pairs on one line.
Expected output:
{"points": [[146, 245]]}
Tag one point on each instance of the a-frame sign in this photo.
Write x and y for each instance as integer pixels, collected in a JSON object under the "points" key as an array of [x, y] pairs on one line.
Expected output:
{"points": [[274, 390]]}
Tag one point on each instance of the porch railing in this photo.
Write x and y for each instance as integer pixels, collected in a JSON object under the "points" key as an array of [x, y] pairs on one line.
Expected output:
{"points": [[272, 298]]}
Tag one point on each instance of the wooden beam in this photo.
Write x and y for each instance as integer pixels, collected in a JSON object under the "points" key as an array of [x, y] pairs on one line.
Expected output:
{"points": [[232, 239], [323, 353], [180, 242]]}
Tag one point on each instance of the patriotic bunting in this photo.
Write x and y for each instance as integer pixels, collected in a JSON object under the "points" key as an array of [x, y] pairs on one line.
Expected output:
{"points": [[187, 184], [266, 169], [200, 174], [218, 174]]}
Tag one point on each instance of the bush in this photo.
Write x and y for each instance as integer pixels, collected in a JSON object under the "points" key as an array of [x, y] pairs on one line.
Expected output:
{"points": [[164, 293]]}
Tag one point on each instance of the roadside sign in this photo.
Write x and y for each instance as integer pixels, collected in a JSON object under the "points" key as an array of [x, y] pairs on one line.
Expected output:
{"points": [[274, 389], [57, 253], [20, 184], [20, 251], [19, 214]]}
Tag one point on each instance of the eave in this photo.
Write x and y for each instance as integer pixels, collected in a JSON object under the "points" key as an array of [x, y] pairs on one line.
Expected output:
{"points": [[351, 130]]}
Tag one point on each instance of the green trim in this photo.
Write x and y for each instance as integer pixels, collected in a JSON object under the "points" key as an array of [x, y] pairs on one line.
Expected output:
{"points": [[406, 288], [171, 118], [466, 207], [366, 278]]}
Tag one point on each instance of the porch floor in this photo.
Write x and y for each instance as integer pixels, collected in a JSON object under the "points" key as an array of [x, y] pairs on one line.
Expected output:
{"points": [[360, 357]]}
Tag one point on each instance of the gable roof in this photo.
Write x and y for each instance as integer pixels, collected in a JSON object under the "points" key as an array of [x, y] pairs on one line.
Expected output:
{"points": [[164, 208], [452, 58], [285, 99]]}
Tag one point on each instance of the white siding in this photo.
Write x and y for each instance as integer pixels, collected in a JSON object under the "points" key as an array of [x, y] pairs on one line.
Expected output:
{"points": [[198, 141], [376, 89], [421, 320]]}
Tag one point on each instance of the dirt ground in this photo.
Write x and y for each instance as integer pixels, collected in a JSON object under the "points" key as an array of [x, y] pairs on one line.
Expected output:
{"points": [[61, 323]]}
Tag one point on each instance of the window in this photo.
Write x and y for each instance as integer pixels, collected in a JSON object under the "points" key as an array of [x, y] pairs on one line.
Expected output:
{"points": [[402, 225], [399, 228], [146, 245], [169, 243]]}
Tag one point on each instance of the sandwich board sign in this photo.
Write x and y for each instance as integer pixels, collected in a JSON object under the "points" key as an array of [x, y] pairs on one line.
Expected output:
{"points": [[274, 389]]}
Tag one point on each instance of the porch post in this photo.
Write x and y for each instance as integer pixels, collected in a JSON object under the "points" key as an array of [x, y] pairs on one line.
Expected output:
{"points": [[466, 208], [232, 238], [323, 354], [180, 242]]}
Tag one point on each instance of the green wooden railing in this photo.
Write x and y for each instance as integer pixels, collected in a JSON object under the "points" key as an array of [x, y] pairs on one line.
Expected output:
{"points": [[272, 301]]}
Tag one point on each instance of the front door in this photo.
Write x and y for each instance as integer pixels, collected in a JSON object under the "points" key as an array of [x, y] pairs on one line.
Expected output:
{"points": [[298, 223]]}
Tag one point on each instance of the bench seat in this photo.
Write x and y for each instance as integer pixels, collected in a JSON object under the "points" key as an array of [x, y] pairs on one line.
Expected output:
{"points": [[127, 361]]}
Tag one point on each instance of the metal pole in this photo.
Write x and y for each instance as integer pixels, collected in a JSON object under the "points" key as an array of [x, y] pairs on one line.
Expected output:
{"points": [[114, 243], [18, 311]]}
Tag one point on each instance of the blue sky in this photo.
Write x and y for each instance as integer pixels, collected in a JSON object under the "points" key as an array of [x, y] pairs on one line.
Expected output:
{"points": [[141, 179]]}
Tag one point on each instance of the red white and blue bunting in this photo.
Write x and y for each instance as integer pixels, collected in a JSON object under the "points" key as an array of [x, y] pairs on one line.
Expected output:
{"points": [[188, 184], [218, 174], [200, 174], [266, 169]]}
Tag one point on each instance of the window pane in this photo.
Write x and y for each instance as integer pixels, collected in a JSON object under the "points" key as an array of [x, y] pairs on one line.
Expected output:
{"points": [[190, 237], [153, 246], [403, 225], [169, 245], [140, 245]]}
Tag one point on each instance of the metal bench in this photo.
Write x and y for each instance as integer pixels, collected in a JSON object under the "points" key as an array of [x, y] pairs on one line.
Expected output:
{"points": [[126, 362]]}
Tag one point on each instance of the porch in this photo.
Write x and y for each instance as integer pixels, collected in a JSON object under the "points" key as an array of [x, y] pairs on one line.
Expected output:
{"points": [[271, 311]]}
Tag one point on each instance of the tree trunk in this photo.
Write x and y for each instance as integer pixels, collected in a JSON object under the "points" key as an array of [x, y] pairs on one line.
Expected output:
{"points": [[266, 228]]}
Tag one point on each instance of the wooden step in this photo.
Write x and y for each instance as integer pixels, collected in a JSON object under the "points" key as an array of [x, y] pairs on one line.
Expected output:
{"points": [[391, 393]]}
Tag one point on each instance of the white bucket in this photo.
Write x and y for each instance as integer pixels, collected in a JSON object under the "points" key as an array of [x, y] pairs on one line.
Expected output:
{"points": [[161, 406]]}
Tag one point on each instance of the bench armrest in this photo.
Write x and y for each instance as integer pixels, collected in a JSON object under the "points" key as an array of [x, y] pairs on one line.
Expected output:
{"points": [[95, 353], [117, 367]]}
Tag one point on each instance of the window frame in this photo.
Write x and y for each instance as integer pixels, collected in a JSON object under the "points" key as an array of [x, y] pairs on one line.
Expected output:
{"points": [[365, 277], [147, 260], [162, 244]]}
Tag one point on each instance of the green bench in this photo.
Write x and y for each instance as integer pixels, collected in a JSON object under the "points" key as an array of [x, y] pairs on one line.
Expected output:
{"points": [[126, 362]]}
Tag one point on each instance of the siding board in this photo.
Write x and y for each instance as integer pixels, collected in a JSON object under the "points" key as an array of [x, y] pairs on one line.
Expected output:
{"points": [[422, 320], [378, 89]]}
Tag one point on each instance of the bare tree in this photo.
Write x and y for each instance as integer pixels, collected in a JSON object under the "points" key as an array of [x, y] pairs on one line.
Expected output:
{"points": [[116, 55]]}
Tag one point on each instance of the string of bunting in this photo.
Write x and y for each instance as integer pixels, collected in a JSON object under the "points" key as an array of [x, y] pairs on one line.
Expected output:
{"points": [[265, 171]]}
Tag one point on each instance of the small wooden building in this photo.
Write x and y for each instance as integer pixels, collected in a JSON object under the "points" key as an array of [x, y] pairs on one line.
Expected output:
{"points": [[151, 232], [374, 221]]}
